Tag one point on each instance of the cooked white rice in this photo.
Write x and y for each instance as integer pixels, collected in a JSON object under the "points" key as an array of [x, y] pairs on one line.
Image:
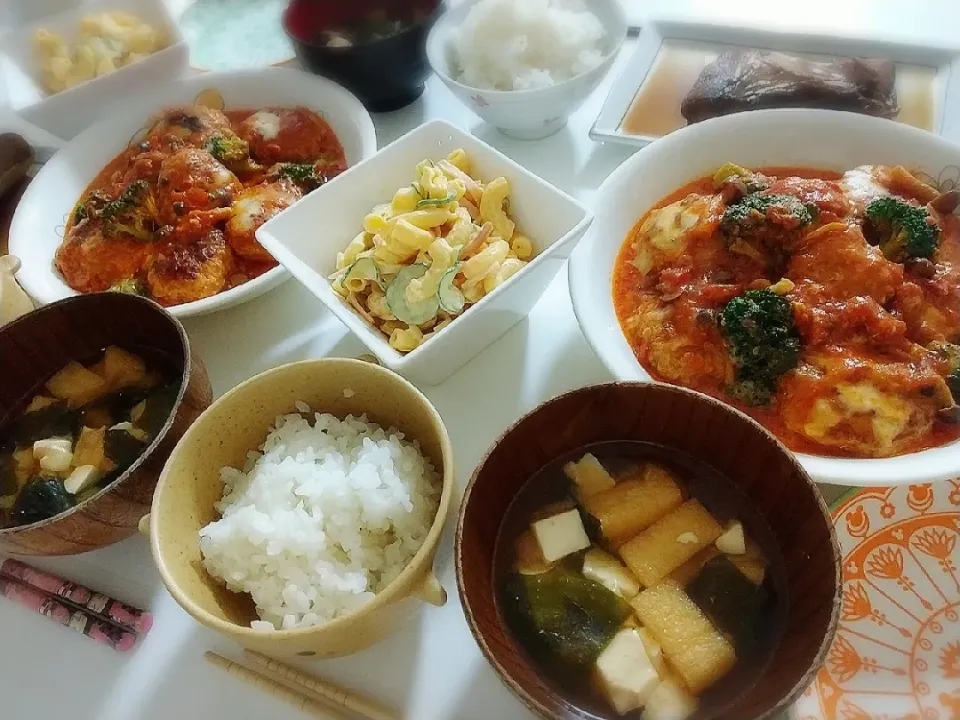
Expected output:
{"points": [[526, 44], [322, 519]]}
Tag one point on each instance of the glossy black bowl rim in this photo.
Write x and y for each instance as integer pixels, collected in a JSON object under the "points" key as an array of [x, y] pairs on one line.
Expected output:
{"points": [[401, 36]]}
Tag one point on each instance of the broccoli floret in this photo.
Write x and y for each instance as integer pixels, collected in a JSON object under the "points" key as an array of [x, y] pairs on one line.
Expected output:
{"points": [[904, 232], [229, 150], [760, 214], [132, 213], [298, 172], [132, 286], [79, 213], [762, 341]]}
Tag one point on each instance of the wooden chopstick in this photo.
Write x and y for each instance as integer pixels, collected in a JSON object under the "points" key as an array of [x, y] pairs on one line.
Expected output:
{"points": [[275, 688], [333, 694]]}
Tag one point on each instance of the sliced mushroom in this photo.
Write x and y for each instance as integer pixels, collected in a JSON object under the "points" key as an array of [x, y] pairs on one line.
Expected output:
{"points": [[946, 203]]}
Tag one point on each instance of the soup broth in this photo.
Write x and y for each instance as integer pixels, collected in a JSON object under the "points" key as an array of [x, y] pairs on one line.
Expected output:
{"points": [[641, 580]]}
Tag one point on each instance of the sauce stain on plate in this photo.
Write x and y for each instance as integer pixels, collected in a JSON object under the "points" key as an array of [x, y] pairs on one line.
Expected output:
{"points": [[897, 651], [235, 34]]}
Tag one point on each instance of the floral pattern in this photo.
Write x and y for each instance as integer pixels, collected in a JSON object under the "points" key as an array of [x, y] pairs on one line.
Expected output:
{"points": [[896, 655]]}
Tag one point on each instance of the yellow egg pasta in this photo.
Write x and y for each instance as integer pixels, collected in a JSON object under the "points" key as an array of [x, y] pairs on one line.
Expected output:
{"points": [[106, 42], [439, 245]]}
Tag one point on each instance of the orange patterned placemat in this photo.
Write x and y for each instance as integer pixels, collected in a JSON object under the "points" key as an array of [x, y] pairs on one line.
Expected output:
{"points": [[897, 650]]}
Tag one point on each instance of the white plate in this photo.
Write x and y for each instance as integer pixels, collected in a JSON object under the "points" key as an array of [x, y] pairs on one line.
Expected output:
{"points": [[804, 138], [943, 61], [37, 228]]}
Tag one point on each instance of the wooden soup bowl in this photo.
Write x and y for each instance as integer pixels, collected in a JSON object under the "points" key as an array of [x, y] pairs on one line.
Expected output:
{"points": [[36, 346], [238, 423], [706, 430]]}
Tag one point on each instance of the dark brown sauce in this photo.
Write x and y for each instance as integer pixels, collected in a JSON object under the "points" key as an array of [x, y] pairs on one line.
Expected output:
{"points": [[698, 480]]}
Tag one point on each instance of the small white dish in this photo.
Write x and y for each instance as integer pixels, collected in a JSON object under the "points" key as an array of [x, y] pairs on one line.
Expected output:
{"points": [[526, 114], [307, 237], [764, 138], [66, 113], [37, 228], [940, 66]]}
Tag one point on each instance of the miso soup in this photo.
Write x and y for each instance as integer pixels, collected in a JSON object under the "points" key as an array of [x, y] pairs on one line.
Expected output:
{"points": [[84, 429], [641, 581]]}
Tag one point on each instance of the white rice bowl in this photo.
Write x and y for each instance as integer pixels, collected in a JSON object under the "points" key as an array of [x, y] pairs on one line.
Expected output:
{"points": [[526, 44], [322, 519]]}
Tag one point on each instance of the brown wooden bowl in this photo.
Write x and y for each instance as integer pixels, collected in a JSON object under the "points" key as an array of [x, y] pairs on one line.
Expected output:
{"points": [[706, 430], [37, 345]]}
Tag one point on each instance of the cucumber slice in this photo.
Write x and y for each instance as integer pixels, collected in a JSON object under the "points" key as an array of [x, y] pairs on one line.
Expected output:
{"points": [[450, 296], [364, 269], [410, 313], [437, 202]]}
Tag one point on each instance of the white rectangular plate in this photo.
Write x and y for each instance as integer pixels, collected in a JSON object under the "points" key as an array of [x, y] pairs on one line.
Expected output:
{"points": [[943, 60]]}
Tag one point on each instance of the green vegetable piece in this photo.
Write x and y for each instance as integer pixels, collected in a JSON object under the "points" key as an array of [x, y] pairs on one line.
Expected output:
{"points": [[437, 202], [158, 406], [41, 499], [565, 616], [298, 172], [228, 150], [130, 286], [762, 341], [765, 217], [364, 269], [450, 296], [904, 232], [734, 604], [751, 180], [79, 213], [122, 449], [133, 213], [54, 420], [411, 313]]}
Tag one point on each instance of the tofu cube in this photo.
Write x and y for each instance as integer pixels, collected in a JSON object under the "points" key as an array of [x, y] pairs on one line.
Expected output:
{"points": [[561, 535], [732, 542], [669, 701], [654, 651], [626, 674], [81, 478], [690, 642], [610, 572], [588, 475], [54, 455], [670, 542], [633, 505]]}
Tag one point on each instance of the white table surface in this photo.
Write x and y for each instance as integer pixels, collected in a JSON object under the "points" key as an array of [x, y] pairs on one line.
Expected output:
{"points": [[432, 670]]}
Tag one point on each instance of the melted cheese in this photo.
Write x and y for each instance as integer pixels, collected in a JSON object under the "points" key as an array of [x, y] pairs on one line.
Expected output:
{"points": [[246, 212], [267, 124], [889, 415], [861, 186], [663, 236]]}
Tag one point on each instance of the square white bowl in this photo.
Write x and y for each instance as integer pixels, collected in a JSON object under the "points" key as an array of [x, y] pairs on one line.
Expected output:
{"points": [[307, 237], [66, 113]]}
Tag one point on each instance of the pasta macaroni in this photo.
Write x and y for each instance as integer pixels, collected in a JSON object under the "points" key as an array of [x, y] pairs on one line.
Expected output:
{"points": [[441, 244], [107, 41]]}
